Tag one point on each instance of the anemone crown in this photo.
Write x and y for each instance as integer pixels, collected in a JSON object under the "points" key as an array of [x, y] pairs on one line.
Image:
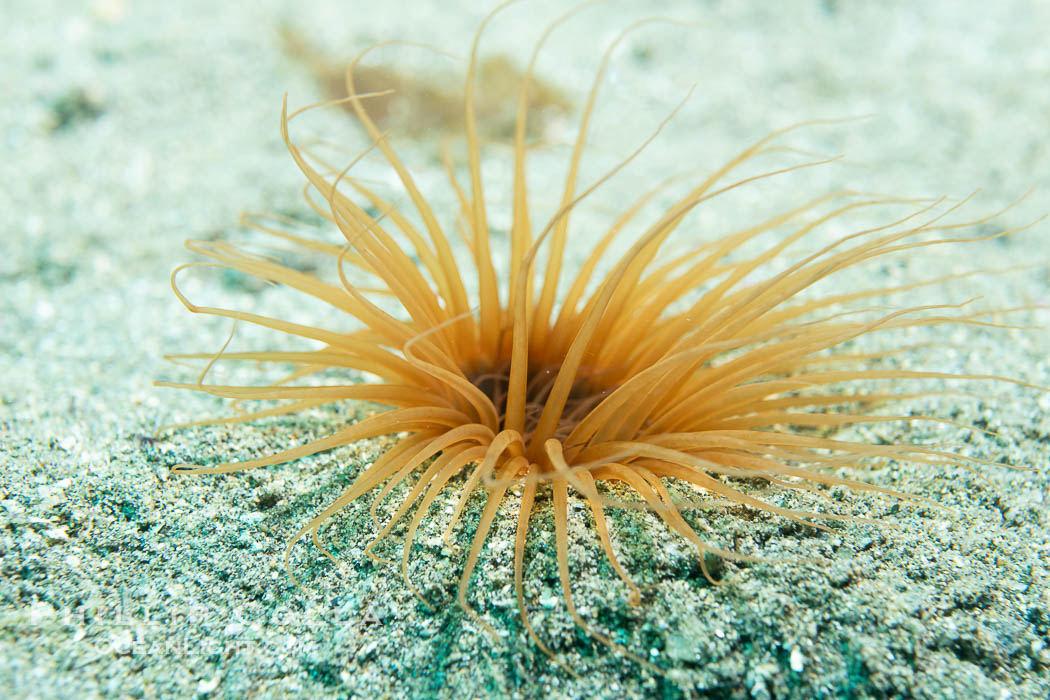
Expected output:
{"points": [[704, 369]]}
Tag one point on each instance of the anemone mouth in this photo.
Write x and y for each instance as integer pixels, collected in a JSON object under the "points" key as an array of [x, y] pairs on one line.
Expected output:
{"points": [[587, 391]]}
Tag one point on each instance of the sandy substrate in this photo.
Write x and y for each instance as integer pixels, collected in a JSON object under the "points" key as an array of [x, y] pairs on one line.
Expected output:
{"points": [[129, 127]]}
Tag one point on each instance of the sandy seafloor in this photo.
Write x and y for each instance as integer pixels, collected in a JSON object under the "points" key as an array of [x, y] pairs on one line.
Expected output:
{"points": [[128, 127]]}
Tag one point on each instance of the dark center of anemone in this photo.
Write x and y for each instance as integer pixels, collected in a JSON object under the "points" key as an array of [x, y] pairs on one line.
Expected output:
{"points": [[587, 392]]}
